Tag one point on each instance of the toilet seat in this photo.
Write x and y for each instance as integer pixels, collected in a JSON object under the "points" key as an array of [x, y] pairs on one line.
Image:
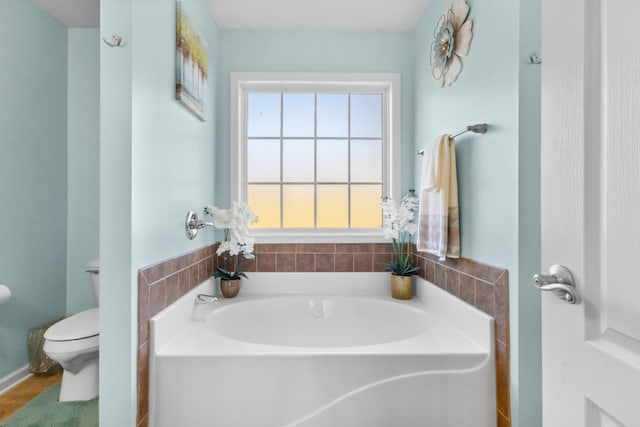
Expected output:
{"points": [[53, 348], [76, 327], [77, 333]]}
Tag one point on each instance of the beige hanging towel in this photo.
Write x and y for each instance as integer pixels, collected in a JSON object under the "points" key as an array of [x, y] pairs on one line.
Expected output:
{"points": [[438, 218]]}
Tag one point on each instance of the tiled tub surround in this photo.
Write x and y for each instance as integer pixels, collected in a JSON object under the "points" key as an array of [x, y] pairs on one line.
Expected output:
{"points": [[480, 285], [486, 288], [159, 285]]}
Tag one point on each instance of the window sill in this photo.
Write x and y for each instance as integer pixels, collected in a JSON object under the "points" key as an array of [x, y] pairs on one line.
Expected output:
{"points": [[279, 236]]}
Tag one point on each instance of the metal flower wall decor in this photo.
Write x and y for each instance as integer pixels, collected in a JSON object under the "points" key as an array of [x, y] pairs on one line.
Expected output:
{"points": [[452, 38]]}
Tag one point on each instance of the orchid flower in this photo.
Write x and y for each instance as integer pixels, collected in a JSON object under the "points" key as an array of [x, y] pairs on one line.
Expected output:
{"points": [[398, 226], [235, 223]]}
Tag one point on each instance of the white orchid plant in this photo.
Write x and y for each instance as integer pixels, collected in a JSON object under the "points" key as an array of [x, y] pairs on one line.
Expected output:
{"points": [[398, 225], [235, 223]]}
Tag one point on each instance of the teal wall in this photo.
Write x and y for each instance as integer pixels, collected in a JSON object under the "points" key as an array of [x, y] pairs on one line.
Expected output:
{"points": [[156, 162], [156, 158], [173, 151], [314, 51], [163, 159], [486, 91], [117, 284], [528, 333], [33, 173], [83, 164], [497, 172]]}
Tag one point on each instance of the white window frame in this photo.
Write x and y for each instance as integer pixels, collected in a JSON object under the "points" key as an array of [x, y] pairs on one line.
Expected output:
{"points": [[388, 83]]}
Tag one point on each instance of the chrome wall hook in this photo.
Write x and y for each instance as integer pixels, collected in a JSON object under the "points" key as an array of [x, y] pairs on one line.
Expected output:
{"points": [[193, 224], [534, 59], [115, 41]]}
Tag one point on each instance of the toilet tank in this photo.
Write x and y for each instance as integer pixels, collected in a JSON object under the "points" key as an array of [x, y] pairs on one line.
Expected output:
{"points": [[94, 273]]}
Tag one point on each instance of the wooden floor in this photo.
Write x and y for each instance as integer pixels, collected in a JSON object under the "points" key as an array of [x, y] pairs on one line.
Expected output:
{"points": [[21, 394]]}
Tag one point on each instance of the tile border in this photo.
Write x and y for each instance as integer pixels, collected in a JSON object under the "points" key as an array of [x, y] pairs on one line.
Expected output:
{"points": [[486, 288], [480, 285], [159, 285]]}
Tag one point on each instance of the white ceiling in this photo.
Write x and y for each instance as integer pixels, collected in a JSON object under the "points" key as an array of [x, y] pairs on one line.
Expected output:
{"points": [[377, 15], [374, 15], [74, 13]]}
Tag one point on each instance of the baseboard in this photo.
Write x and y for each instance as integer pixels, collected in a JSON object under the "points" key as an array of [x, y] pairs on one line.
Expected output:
{"points": [[14, 378]]}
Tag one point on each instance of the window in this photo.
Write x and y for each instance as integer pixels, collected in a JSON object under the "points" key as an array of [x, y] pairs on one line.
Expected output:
{"points": [[313, 154]]}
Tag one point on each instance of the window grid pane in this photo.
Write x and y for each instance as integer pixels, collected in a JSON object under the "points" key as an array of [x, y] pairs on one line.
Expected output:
{"points": [[365, 199], [299, 206], [263, 110], [298, 160], [298, 115], [366, 115], [332, 206], [303, 198], [263, 160], [265, 202]]}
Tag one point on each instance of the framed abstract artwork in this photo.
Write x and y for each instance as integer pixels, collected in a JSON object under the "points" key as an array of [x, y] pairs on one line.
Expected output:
{"points": [[191, 64]]}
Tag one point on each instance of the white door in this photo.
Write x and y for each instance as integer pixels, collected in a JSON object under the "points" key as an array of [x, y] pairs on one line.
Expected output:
{"points": [[591, 210]]}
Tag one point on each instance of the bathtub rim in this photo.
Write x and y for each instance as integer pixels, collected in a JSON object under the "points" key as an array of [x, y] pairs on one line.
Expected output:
{"points": [[471, 322]]}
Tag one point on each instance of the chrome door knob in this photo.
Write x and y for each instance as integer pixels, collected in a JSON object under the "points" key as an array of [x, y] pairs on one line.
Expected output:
{"points": [[560, 282]]}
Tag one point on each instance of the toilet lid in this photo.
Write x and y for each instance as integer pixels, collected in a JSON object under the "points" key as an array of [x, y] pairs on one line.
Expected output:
{"points": [[78, 326]]}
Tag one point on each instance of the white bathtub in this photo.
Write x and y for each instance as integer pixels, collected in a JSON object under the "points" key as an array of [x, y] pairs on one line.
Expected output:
{"points": [[322, 350]]}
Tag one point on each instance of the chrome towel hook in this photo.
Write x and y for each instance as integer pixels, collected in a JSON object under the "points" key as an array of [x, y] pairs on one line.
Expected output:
{"points": [[115, 41], [192, 224]]}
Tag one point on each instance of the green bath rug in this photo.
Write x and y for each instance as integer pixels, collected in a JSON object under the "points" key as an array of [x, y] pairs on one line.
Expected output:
{"points": [[46, 411]]}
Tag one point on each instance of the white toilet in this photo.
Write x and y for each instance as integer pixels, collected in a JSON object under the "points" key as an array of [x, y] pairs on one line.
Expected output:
{"points": [[73, 342]]}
